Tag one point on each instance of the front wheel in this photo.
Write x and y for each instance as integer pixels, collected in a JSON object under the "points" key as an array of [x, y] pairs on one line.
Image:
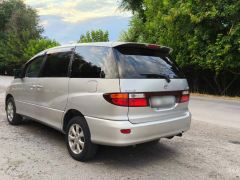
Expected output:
{"points": [[78, 140], [12, 117]]}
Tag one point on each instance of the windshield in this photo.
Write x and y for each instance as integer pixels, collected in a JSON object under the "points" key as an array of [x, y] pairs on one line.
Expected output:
{"points": [[140, 63]]}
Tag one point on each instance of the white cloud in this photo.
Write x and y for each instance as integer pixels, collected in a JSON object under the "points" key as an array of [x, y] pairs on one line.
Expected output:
{"points": [[44, 23], [75, 11]]}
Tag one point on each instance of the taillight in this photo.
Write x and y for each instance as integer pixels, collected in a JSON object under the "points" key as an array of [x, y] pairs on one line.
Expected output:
{"points": [[127, 100], [119, 99], [137, 100], [184, 97]]}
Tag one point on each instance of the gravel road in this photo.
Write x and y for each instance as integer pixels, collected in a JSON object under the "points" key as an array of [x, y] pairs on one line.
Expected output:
{"points": [[209, 150]]}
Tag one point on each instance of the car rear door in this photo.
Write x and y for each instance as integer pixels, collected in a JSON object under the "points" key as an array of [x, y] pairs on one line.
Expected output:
{"points": [[52, 87], [147, 72]]}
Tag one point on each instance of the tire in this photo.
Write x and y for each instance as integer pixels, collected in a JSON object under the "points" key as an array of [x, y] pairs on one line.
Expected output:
{"points": [[79, 144], [12, 117]]}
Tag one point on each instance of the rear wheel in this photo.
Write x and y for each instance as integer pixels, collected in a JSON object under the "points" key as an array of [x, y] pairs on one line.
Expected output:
{"points": [[78, 140], [12, 117]]}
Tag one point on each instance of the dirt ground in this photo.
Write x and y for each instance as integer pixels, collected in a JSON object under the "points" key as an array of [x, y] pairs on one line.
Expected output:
{"points": [[34, 151]]}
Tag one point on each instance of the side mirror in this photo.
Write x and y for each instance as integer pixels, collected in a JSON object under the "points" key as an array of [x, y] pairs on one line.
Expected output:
{"points": [[18, 73]]}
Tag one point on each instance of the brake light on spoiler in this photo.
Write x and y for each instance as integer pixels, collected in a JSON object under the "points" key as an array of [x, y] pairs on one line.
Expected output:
{"points": [[141, 99]]}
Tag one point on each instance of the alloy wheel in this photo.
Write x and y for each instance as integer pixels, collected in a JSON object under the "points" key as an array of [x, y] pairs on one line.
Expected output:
{"points": [[76, 138], [10, 111]]}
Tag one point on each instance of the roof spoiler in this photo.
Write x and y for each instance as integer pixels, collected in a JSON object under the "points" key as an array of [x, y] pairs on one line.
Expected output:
{"points": [[159, 48]]}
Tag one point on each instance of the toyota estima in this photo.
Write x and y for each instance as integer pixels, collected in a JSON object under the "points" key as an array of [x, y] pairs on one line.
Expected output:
{"points": [[116, 94]]}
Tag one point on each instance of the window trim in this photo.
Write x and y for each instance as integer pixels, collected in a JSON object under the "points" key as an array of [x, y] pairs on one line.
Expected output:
{"points": [[71, 62], [29, 62], [58, 50], [164, 57], [89, 46]]}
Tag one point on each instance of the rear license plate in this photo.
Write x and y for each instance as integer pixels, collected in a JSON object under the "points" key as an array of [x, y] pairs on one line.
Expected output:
{"points": [[162, 101]]}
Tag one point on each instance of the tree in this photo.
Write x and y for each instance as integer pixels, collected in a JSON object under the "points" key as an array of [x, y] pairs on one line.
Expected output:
{"points": [[36, 46], [19, 24], [136, 6], [132, 5], [205, 36], [94, 36]]}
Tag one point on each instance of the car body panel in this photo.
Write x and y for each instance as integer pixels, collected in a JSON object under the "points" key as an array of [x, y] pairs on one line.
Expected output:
{"points": [[151, 86], [23, 91], [51, 95], [89, 103], [140, 133]]}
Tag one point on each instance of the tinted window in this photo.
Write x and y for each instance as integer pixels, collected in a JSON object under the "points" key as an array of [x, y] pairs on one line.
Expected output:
{"points": [[33, 68], [56, 65], [138, 63], [94, 62]]}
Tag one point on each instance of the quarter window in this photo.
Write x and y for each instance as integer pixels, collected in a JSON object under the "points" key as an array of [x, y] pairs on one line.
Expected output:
{"points": [[33, 68], [56, 64], [94, 62]]}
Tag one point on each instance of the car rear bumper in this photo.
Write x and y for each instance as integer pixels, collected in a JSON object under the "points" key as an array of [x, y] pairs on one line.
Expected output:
{"points": [[107, 132]]}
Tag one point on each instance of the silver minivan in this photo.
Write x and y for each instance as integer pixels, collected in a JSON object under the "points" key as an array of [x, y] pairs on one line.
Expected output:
{"points": [[116, 94]]}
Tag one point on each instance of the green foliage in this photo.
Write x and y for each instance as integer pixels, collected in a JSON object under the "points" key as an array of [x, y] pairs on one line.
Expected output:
{"points": [[136, 6], [205, 36], [133, 5], [18, 25], [94, 36], [36, 46]]}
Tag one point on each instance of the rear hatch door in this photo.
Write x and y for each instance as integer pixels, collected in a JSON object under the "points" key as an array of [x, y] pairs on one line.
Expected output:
{"points": [[148, 70]]}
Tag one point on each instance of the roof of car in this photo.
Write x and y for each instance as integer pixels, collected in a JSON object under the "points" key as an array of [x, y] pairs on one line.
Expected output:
{"points": [[103, 44], [96, 44]]}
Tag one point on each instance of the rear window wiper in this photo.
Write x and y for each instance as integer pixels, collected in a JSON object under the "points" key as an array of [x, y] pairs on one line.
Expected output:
{"points": [[166, 77]]}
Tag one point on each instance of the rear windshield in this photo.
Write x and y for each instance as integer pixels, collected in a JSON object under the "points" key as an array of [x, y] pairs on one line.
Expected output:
{"points": [[145, 63]]}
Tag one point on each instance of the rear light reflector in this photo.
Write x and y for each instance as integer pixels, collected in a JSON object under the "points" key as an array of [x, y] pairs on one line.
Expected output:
{"points": [[125, 131]]}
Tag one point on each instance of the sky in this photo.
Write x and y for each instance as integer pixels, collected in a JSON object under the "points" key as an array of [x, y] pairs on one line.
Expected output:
{"points": [[66, 20]]}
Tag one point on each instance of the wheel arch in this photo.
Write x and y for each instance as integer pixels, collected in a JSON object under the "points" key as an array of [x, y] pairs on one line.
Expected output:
{"points": [[6, 99], [68, 116]]}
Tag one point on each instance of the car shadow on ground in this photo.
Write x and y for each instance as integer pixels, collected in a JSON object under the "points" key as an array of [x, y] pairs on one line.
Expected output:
{"points": [[135, 156], [118, 157]]}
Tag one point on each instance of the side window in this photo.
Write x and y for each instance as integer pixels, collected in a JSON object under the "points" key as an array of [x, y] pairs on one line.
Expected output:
{"points": [[56, 65], [94, 62], [33, 68]]}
